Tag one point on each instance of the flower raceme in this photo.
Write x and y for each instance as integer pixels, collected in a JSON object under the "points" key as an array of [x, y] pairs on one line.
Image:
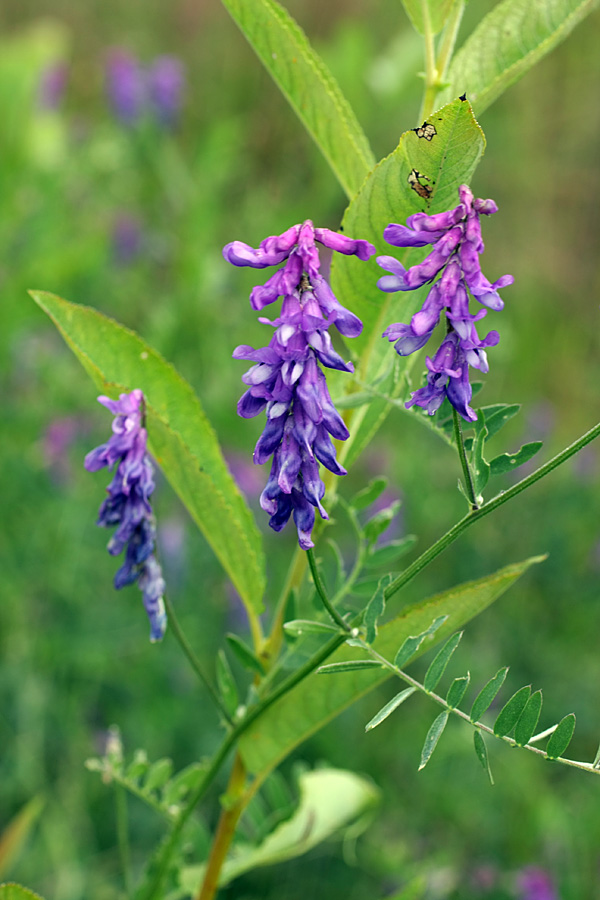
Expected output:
{"points": [[457, 244], [286, 379], [128, 504]]}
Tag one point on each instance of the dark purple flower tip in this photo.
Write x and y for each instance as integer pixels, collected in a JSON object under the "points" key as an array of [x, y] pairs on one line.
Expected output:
{"points": [[407, 341], [487, 207], [165, 86]]}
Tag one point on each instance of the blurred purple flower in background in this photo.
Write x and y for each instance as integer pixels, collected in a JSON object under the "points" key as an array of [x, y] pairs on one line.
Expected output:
{"points": [[126, 239], [128, 504], [286, 379], [52, 86], [165, 86], [535, 883], [133, 89]]}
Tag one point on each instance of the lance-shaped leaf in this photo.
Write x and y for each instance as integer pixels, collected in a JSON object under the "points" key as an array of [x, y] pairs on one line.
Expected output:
{"points": [[317, 700], [412, 643], [389, 708], [482, 754], [246, 656], [369, 494], [181, 438], [486, 694], [375, 609], [525, 727], [432, 738], [357, 665], [436, 11], [507, 43], [308, 85], [561, 737], [497, 415], [299, 627], [457, 690], [509, 461], [511, 711], [389, 195], [438, 666], [226, 683]]}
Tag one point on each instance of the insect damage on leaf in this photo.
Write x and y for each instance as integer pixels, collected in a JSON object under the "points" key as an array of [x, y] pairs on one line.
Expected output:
{"points": [[427, 131], [414, 179]]}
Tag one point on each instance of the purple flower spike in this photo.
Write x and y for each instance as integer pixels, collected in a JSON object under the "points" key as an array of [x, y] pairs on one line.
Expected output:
{"points": [[286, 379], [125, 86], [128, 504], [165, 87], [457, 245]]}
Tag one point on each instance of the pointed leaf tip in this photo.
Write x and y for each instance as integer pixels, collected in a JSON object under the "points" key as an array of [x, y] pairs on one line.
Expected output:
{"points": [[561, 737], [432, 738]]}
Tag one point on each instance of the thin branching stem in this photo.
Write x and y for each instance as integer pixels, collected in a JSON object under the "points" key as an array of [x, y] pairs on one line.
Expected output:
{"points": [[460, 446], [321, 591]]}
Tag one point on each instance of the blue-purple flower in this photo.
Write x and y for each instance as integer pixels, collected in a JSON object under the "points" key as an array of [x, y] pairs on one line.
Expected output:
{"points": [[165, 87], [457, 244], [134, 89], [536, 884], [128, 504], [286, 379], [125, 86]]}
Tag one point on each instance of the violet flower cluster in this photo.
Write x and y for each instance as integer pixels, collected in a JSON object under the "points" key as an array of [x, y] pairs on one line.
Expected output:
{"points": [[128, 504], [134, 89], [457, 244], [286, 379]]}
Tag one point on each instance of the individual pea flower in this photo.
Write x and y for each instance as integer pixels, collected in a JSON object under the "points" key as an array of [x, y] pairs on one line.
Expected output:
{"points": [[128, 504], [287, 380], [457, 245]]}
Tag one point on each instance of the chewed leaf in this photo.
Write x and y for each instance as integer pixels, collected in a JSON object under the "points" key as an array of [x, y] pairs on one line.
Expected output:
{"points": [[510, 713], [309, 87], [561, 737], [509, 461], [181, 438], [457, 690], [486, 694], [433, 736], [389, 708], [438, 666]]}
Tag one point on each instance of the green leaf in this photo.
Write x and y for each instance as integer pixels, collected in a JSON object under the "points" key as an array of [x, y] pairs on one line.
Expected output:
{"points": [[330, 800], [375, 609], [432, 738], [479, 467], [438, 666], [497, 415], [300, 627], [482, 754], [412, 643], [369, 494], [486, 694], [180, 436], [183, 783], [16, 892], [316, 700], [509, 461], [386, 554], [447, 161], [507, 43], [245, 654], [158, 775], [378, 523], [16, 832], [510, 713], [226, 683], [561, 737], [309, 87], [437, 11], [138, 766], [457, 690], [389, 708], [525, 727], [353, 666]]}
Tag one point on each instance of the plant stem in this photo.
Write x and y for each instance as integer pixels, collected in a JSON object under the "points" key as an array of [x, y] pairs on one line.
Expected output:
{"points": [[431, 73], [123, 836], [228, 820], [460, 446], [323, 593], [449, 39], [193, 660], [451, 535]]}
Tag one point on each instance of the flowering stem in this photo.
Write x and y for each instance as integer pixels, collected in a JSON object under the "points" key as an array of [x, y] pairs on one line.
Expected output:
{"points": [[192, 659], [430, 554], [323, 593], [460, 446]]}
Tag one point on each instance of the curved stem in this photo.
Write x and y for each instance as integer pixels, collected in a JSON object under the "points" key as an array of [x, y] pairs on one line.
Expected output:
{"points": [[192, 658], [450, 536], [323, 593], [228, 820], [460, 446]]}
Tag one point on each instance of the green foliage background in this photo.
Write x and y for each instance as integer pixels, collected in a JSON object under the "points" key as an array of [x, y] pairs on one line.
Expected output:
{"points": [[74, 655]]}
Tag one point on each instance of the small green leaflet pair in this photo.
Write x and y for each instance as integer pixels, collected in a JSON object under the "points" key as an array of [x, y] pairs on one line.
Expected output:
{"points": [[515, 723]]}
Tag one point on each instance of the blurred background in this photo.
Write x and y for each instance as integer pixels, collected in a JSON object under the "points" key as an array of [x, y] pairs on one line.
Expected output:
{"points": [[135, 140]]}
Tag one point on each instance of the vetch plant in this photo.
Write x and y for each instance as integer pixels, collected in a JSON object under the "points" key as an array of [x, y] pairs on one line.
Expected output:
{"points": [[407, 200]]}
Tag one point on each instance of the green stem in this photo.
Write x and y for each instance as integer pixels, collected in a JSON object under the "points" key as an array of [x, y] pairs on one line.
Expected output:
{"points": [[323, 593], [400, 673], [460, 446], [449, 39], [123, 836], [193, 660], [450, 536], [431, 74]]}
